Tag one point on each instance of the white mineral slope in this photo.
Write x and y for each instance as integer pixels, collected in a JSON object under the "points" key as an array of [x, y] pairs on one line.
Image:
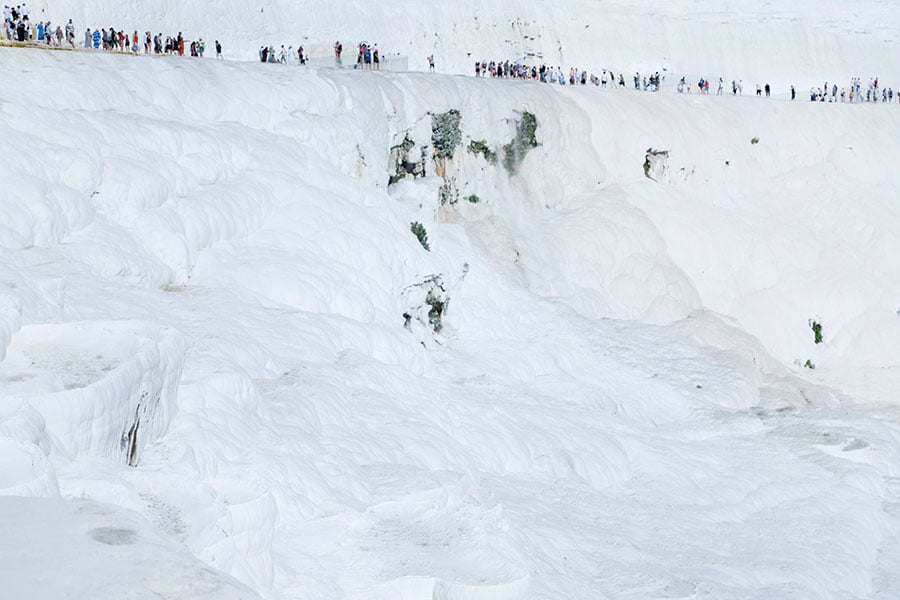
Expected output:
{"points": [[585, 425], [784, 42], [83, 549], [799, 226]]}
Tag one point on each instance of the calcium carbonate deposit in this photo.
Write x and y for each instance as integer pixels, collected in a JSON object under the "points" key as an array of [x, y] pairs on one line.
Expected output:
{"points": [[307, 331]]}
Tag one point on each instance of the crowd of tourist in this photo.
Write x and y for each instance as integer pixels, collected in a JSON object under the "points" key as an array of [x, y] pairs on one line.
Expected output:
{"points": [[18, 27], [518, 69], [267, 54], [853, 93], [368, 55], [111, 40]]}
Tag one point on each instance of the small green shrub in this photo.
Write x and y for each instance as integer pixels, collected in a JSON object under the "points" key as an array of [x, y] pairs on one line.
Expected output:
{"points": [[647, 167], [437, 310], [524, 140], [754, 141], [448, 193], [817, 331], [473, 199], [419, 231], [446, 134], [481, 147], [809, 364]]}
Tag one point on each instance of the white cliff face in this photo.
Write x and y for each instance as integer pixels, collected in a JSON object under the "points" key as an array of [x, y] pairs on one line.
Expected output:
{"points": [[215, 314]]}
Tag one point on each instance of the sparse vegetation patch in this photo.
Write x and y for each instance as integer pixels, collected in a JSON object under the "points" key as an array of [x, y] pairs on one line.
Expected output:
{"points": [[419, 231], [817, 331], [446, 134], [525, 139], [481, 147]]}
